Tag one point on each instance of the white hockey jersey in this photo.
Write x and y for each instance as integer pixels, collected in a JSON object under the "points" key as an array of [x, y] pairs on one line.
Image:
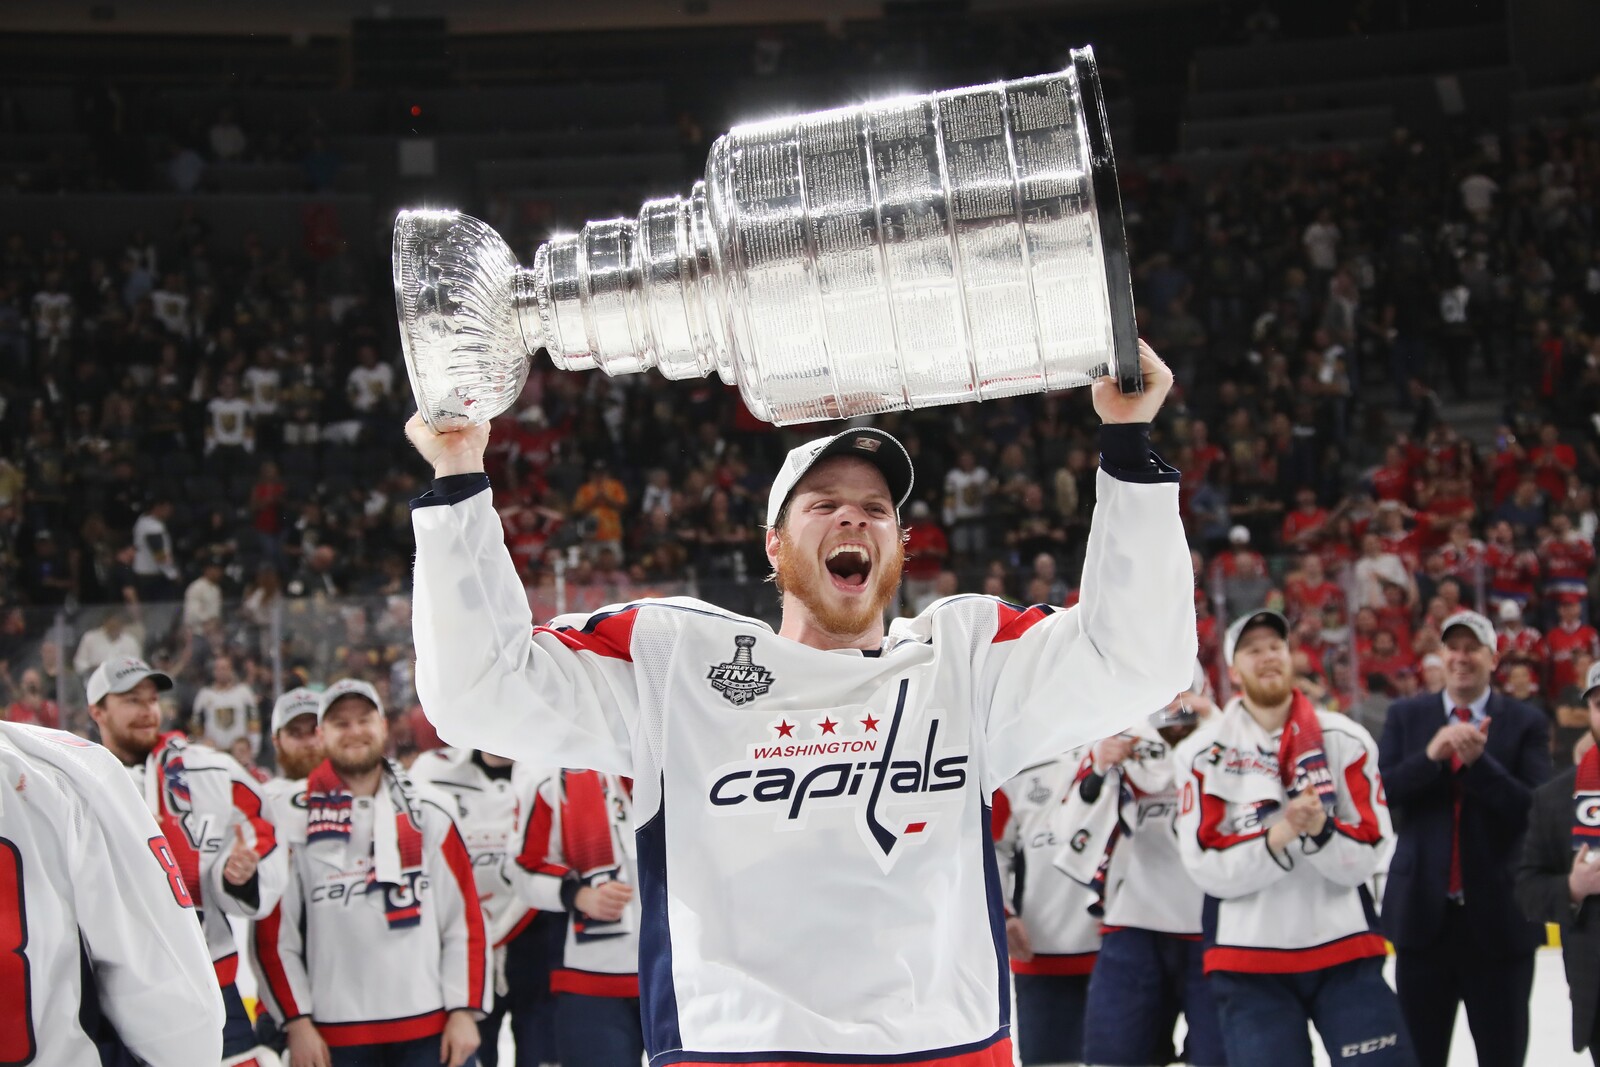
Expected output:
{"points": [[1309, 909], [816, 866], [598, 959], [1147, 886], [1054, 909], [198, 796], [379, 933], [84, 872], [280, 793], [486, 814]]}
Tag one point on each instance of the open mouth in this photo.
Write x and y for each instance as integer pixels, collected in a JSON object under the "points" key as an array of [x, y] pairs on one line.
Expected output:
{"points": [[849, 565]]}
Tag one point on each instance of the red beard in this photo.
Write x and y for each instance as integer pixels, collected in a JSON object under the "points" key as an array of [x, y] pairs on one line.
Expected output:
{"points": [[800, 577]]}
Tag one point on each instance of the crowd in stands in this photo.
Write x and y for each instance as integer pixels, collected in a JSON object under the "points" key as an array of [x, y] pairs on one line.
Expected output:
{"points": [[206, 437]]}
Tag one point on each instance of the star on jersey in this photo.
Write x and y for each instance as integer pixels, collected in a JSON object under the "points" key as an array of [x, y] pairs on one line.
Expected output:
{"points": [[785, 729], [826, 726]]}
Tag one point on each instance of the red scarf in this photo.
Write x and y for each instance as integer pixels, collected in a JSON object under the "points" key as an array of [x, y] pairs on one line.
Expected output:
{"points": [[1586, 802], [587, 843], [1302, 763], [586, 823]]}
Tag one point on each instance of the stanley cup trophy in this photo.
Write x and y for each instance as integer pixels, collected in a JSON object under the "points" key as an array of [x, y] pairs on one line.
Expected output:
{"points": [[937, 249]]}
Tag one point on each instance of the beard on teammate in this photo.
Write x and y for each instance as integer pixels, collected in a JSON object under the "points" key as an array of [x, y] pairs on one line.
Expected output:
{"points": [[354, 733], [130, 722], [298, 747], [1264, 669]]}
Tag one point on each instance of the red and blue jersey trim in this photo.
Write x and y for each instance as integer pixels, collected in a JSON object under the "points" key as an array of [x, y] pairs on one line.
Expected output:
{"points": [[609, 634], [1057, 963], [381, 1031], [593, 983]]}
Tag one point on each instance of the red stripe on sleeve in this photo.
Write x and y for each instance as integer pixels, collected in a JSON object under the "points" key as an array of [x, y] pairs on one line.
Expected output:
{"points": [[272, 966], [249, 804], [460, 864], [1212, 811], [611, 636], [1355, 780], [1015, 622]]}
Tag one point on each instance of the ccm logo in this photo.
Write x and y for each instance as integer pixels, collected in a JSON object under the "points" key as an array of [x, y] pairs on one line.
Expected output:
{"points": [[1371, 1044], [1589, 811]]}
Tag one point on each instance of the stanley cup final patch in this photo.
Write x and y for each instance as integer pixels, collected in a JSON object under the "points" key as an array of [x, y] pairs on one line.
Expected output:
{"points": [[741, 679]]}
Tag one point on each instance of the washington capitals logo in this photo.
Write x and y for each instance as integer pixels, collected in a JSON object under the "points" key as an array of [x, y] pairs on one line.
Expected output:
{"points": [[741, 680], [177, 783]]}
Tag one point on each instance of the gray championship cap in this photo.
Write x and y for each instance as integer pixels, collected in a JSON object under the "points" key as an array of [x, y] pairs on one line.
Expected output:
{"points": [[1264, 617], [295, 703], [875, 446], [1479, 626], [120, 675], [347, 687]]}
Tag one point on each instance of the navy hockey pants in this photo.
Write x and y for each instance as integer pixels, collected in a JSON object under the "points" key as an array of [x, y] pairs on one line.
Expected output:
{"points": [[1050, 1017], [598, 1031], [1357, 1015], [1143, 980]]}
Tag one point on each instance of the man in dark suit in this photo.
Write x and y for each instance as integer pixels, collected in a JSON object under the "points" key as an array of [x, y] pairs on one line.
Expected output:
{"points": [[1459, 769], [1559, 879]]}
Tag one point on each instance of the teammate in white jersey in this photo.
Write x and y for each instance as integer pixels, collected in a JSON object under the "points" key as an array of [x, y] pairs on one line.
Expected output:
{"points": [[1282, 822], [378, 952], [1052, 935], [816, 870], [213, 816], [1119, 823], [525, 940], [296, 745], [578, 860], [90, 893]]}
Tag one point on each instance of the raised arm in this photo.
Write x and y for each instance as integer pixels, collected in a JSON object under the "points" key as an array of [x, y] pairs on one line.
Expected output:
{"points": [[487, 678], [1052, 680]]}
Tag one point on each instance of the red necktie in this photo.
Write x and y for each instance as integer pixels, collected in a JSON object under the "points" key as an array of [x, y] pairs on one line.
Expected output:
{"points": [[1462, 715]]}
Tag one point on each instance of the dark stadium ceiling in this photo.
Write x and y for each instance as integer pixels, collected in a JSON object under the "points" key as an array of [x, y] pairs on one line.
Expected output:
{"points": [[333, 17]]}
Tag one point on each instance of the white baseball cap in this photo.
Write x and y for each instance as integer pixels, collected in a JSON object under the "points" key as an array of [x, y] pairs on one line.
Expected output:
{"points": [[347, 687], [293, 704], [1592, 681], [864, 442], [1510, 610], [120, 675], [1480, 627], [1264, 617], [1239, 535]]}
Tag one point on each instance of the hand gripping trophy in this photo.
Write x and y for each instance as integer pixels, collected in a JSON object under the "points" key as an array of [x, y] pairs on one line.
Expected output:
{"points": [[957, 246]]}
